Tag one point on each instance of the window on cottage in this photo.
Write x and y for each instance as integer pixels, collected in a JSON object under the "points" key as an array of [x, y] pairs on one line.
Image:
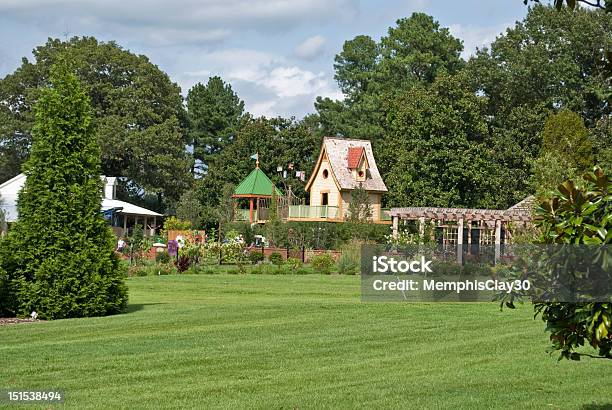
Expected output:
{"points": [[361, 174], [324, 199], [325, 173]]}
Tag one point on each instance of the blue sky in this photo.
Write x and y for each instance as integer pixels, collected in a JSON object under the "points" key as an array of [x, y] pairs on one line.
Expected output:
{"points": [[277, 54]]}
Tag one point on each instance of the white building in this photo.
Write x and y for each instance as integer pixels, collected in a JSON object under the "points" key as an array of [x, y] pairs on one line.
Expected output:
{"points": [[122, 215]]}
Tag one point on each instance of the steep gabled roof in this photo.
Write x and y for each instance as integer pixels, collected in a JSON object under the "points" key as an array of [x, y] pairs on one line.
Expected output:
{"points": [[337, 151], [256, 184]]}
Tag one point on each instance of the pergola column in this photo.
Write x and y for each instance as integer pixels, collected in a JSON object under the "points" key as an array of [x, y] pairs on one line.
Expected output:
{"points": [[395, 219], [422, 227], [460, 241], [497, 240]]}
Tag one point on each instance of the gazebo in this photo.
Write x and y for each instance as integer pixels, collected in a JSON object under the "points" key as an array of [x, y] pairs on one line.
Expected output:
{"points": [[257, 189]]}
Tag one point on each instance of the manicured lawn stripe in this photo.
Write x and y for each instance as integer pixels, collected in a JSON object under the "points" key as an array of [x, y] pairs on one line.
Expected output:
{"points": [[254, 341]]}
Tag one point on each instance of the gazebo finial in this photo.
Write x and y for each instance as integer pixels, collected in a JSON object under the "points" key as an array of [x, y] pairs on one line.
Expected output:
{"points": [[257, 160]]}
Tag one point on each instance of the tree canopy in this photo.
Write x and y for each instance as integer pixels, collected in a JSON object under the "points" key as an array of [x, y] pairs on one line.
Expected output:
{"points": [[138, 114], [214, 112]]}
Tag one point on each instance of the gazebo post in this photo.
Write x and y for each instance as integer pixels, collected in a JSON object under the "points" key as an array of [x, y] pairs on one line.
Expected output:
{"points": [[251, 210]]}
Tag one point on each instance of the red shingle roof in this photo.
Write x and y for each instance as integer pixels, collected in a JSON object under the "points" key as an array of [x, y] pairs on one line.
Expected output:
{"points": [[354, 156]]}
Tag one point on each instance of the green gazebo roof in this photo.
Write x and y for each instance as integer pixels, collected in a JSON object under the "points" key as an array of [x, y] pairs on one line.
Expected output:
{"points": [[256, 184]]}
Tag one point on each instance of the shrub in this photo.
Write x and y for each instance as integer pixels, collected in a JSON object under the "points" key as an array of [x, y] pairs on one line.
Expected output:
{"points": [[294, 263], [445, 268], [162, 257], [183, 263], [263, 269], [175, 224], [255, 257], [322, 263], [276, 258], [349, 262]]}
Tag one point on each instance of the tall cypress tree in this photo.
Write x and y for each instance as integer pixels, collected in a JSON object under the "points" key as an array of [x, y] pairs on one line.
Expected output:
{"points": [[62, 262]]}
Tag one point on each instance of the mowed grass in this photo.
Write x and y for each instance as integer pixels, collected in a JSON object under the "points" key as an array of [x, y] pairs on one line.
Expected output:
{"points": [[296, 342]]}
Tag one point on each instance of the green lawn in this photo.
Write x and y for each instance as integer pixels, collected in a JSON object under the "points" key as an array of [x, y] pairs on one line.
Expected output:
{"points": [[290, 342]]}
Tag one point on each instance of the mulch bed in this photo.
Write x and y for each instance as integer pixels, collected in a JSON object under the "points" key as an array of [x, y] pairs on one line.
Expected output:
{"points": [[13, 320]]}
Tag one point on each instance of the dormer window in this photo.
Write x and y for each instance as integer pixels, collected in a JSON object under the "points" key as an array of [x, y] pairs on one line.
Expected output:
{"points": [[357, 162], [325, 174]]}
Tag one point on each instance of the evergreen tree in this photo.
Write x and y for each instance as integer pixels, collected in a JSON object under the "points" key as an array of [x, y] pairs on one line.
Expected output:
{"points": [[189, 208], [59, 255], [214, 112], [360, 209]]}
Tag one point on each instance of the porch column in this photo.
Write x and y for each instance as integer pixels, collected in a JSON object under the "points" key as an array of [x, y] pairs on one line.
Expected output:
{"points": [[497, 240], [144, 226], [251, 210], [154, 225], [124, 225], [395, 223], [460, 241]]}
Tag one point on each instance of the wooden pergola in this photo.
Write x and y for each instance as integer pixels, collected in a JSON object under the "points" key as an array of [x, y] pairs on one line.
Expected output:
{"points": [[457, 223]]}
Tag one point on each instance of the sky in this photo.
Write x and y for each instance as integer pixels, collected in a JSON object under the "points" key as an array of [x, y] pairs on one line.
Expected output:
{"points": [[278, 55]]}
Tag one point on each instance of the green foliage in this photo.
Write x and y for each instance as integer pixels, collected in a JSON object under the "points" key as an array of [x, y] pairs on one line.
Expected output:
{"points": [[189, 208], [256, 256], [278, 142], [137, 112], [566, 136], [162, 257], [566, 152], [176, 224], [415, 51], [214, 112], [8, 298], [349, 262], [60, 254], [360, 208], [276, 258], [243, 229], [294, 264], [601, 138], [323, 263], [436, 151], [571, 4], [579, 213]]}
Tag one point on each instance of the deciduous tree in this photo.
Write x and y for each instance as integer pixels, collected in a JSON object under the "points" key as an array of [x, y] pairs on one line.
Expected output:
{"points": [[137, 111]]}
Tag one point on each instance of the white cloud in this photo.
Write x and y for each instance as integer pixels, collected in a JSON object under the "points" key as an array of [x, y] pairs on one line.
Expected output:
{"points": [[310, 48], [187, 14], [269, 84], [476, 36]]}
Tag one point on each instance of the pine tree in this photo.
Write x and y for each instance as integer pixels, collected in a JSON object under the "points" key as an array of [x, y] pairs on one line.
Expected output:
{"points": [[62, 262]]}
